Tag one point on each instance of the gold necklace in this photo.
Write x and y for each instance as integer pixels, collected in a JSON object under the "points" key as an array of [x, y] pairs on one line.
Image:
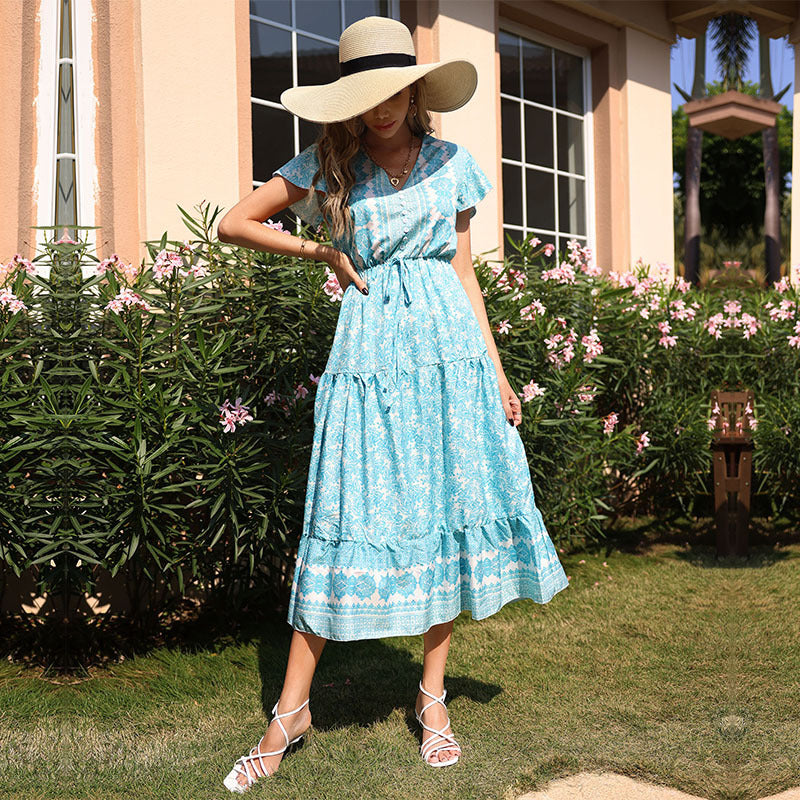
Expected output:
{"points": [[393, 179]]}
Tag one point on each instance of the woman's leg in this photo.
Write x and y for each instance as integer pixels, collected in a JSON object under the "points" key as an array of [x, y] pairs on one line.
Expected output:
{"points": [[437, 644], [304, 653]]}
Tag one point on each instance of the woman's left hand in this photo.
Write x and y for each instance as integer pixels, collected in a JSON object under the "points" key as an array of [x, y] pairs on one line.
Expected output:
{"points": [[511, 402]]}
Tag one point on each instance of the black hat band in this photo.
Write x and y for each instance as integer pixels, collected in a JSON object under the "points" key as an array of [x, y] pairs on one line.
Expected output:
{"points": [[376, 61]]}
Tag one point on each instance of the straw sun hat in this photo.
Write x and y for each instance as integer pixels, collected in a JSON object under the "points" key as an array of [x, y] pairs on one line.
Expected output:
{"points": [[376, 60]]}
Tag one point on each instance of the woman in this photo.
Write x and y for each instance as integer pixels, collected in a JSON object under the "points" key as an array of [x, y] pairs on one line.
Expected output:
{"points": [[419, 501]]}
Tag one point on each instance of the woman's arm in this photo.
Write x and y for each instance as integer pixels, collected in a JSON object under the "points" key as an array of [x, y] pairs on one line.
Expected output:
{"points": [[462, 264], [242, 225]]}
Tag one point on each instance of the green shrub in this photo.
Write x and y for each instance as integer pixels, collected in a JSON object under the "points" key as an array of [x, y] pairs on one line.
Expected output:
{"points": [[158, 418]]}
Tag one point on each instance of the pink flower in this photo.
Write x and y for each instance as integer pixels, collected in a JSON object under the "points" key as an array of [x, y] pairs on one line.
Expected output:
{"points": [[530, 311], [682, 285], [331, 287], [732, 307], [609, 422], [232, 415], [565, 273], [592, 346], [271, 398], [586, 393], [713, 325], [667, 341], [314, 379], [782, 285], [166, 263], [642, 442], [300, 390], [504, 327], [10, 301], [127, 297], [277, 226], [65, 239], [548, 249], [531, 390]]}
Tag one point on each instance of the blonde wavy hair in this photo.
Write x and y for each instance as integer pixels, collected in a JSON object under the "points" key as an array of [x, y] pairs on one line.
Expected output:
{"points": [[337, 145]]}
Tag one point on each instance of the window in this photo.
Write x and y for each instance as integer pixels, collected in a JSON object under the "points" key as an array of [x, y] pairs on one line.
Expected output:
{"points": [[65, 170], [542, 98], [65, 213], [292, 43]]}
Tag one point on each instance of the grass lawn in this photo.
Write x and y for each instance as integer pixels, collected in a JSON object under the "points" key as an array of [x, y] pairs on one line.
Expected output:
{"points": [[665, 665]]}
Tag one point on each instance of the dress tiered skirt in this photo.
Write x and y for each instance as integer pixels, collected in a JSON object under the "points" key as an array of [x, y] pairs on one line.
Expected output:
{"points": [[419, 502]]}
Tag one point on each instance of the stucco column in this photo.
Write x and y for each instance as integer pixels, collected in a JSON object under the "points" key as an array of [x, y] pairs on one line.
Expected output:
{"points": [[467, 30], [190, 141], [648, 123]]}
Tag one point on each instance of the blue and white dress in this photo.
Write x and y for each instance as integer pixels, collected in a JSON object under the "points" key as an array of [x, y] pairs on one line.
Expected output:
{"points": [[419, 502]]}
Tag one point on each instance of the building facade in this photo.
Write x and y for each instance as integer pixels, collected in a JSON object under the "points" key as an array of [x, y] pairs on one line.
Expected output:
{"points": [[118, 112]]}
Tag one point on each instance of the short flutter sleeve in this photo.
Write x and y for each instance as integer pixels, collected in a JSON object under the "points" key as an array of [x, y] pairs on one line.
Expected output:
{"points": [[473, 185], [299, 171]]}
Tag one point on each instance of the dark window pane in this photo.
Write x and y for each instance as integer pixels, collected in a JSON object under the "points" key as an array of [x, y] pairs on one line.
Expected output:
{"points": [[358, 9], [272, 140], [309, 131], [509, 64], [512, 194], [66, 120], [270, 61], [571, 205], [540, 199], [510, 129], [570, 144], [276, 10], [515, 236], [322, 17], [538, 136], [569, 82], [537, 73], [317, 62]]}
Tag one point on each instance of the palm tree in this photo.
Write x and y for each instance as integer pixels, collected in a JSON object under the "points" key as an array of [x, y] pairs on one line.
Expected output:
{"points": [[772, 183], [694, 156]]}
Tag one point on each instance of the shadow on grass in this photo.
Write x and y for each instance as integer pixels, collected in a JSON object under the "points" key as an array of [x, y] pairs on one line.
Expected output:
{"points": [[360, 682]]}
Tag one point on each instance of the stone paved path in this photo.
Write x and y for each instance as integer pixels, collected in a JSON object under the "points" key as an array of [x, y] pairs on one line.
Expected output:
{"points": [[611, 786]]}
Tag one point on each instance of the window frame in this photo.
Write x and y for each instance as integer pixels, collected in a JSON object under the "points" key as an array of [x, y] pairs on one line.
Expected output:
{"points": [[536, 37]]}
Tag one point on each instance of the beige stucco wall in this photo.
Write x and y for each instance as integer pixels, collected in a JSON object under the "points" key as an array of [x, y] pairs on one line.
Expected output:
{"points": [[190, 136], [467, 30], [19, 44], [647, 108]]}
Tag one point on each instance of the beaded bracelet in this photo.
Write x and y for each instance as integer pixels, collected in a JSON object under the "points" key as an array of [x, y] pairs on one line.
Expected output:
{"points": [[302, 246]]}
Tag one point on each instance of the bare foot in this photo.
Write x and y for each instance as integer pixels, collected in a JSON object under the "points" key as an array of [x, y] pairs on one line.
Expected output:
{"points": [[273, 740], [435, 717]]}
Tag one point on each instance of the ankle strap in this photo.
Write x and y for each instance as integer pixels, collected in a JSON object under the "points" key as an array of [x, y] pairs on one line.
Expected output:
{"points": [[279, 717], [432, 696]]}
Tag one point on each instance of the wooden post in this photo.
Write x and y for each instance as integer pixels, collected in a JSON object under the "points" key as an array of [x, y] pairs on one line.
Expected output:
{"points": [[731, 413]]}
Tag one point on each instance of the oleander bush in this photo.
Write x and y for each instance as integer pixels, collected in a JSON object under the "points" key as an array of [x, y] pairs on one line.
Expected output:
{"points": [[157, 418]]}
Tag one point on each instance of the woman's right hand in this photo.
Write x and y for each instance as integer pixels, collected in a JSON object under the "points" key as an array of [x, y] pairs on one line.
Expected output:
{"points": [[345, 272]]}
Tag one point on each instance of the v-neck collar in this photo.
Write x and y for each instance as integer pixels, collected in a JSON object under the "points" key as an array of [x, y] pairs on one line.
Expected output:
{"points": [[377, 167]]}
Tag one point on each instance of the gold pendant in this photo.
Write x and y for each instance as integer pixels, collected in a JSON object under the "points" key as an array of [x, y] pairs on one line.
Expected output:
{"points": [[394, 181]]}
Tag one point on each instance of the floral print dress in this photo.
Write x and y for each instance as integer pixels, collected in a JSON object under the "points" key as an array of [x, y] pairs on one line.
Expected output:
{"points": [[419, 502]]}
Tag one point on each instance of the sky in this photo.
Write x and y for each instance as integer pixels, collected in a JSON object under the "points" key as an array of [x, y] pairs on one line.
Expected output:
{"points": [[781, 59], [781, 62]]}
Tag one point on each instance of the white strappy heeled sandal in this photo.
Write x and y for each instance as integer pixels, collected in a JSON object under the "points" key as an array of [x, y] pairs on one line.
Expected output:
{"points": [[240, 767], [440, 740]]}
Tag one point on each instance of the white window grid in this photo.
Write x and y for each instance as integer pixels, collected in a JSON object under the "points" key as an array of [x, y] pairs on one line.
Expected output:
{"points": [[556, 233]]}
